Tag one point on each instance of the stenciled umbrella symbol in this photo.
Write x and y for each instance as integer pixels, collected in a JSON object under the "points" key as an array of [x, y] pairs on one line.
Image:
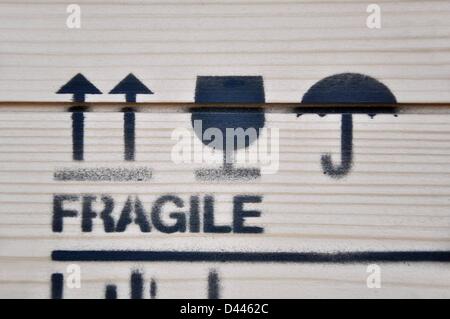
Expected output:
{"points": [[347, 88]]}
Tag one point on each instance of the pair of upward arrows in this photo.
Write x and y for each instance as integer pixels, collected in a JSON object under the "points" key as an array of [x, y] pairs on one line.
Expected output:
{"points": [[79, 86]]}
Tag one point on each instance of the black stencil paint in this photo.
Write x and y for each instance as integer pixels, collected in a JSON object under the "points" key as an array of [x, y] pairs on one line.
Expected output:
{"points": [[228, 89], [57, 286], [347, 88], [179, 225], [153, 289], [123, 174], [105, 215], [209, 220], [87, 212], [135, 208], [136, 285], [346, 151], [130, 86], [102, 206], [78, 133], [240, 214], [79, 86], [129, 135], [324, 110], [194, 219], [227, 173], [59, 212], [111, 292], [249, 257], [213, 285], [223, 118]]}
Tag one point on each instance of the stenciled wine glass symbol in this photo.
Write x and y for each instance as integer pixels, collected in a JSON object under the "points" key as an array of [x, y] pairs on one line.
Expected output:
{"points": [[236, 90]]}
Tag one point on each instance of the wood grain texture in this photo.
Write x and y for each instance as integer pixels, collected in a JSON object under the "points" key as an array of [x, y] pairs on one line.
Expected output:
{"points": [[293, 44], [396, 198]]}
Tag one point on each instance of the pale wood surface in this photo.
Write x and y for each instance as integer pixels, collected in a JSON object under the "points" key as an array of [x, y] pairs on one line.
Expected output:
{"points": [[293, 44], [395, 198]]}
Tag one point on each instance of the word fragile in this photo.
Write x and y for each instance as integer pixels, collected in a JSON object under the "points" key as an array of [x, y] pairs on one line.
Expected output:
{"points": [[186, 217]]}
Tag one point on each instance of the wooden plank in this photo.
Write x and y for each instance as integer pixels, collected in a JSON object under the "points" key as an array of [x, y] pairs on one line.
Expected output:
{"points": [[293, 44], [395, 199]]}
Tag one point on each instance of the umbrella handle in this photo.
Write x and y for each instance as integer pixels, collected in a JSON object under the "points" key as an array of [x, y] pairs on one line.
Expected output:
{"points": [[346, 151]]}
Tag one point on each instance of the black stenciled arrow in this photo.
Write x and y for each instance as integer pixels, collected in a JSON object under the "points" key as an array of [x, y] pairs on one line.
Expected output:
{"points": [[79, 86], [130, 86]]}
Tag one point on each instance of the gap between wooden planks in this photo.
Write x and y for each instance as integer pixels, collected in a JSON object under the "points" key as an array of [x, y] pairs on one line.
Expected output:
{"points": [[185, 106]]}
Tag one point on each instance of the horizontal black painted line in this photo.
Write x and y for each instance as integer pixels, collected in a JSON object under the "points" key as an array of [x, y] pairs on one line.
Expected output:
{"points": [[101, 174], [250, 257]]}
